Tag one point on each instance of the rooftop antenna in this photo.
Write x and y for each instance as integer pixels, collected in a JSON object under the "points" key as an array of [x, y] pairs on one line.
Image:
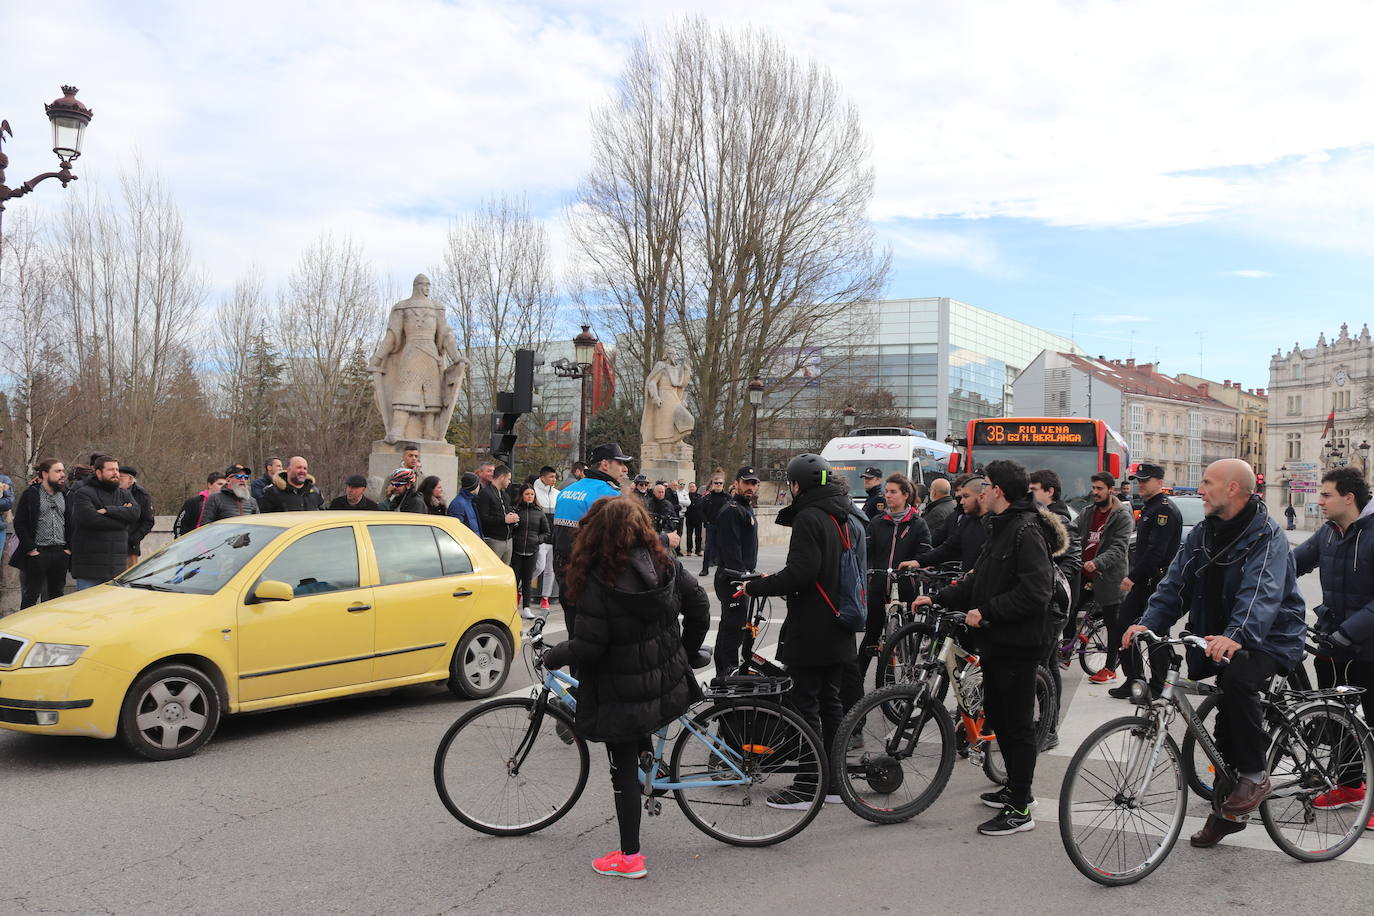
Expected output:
{"points": [[1131, 354], [1200, 373]]}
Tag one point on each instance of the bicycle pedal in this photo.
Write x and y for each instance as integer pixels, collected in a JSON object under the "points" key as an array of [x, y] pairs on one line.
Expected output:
{"points": [[1237, 818], [653, 807]]}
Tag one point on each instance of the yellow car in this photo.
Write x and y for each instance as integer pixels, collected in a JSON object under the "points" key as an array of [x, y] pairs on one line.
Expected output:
{"points": [[258, 613]]}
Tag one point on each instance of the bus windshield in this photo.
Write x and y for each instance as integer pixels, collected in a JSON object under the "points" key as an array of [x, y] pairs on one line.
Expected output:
{"points": [[1075, 466]]}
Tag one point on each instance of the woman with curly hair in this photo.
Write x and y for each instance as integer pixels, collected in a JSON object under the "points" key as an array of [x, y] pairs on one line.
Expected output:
{"points": [[632, 659]]}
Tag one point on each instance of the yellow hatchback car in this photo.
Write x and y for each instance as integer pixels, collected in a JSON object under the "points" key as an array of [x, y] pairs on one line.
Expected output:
{"points": [[257, 613]]}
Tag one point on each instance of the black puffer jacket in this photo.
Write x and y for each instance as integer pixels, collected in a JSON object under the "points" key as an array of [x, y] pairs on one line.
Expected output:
{"points": [[1345, 561], [144, 500], [532, 530], [632, 658], [283, 497], [1012, 581], [811, 635], [100, 540], [963, 543]]}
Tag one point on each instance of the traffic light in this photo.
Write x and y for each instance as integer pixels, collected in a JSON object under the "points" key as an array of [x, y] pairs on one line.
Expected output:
{"points": [[1259, 481], [503, 427], [528, 378]]}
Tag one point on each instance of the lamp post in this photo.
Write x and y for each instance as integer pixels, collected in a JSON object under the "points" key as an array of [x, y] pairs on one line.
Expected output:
{"points": [[584, 350], [850, 415], [1364, 455], [755, 399], [69, 118]]}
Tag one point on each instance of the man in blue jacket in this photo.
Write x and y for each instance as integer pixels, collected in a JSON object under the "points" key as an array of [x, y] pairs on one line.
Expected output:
{"points": [[1235, 579], [1342, 551], [464, 506]]}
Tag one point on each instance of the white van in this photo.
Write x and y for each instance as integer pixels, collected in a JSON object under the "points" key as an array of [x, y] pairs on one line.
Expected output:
{"points": [[889, 449]]}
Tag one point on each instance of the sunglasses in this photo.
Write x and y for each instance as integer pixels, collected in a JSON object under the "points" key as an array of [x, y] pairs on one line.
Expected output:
{"points": [[239, 476]]}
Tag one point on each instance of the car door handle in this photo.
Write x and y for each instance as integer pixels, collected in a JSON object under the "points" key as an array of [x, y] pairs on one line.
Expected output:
{"points": [[359, 608], [462, 593]]}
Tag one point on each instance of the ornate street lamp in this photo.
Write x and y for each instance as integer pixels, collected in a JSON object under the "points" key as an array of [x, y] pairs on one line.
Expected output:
{"points": [[69, 117], [584, 351], [755, 399], [1364, 455]]}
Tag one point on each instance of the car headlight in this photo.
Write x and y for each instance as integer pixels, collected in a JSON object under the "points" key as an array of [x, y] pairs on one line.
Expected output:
{"points": [[52, 655]]}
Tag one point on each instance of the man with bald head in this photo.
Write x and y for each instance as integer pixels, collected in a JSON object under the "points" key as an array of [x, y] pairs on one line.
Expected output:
{"points": [[1236, 580], [938, 510], [292, 490]]}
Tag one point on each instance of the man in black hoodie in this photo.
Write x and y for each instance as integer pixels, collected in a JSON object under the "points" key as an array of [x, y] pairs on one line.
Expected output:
{"points": [[813, 644], [1007, 597]]}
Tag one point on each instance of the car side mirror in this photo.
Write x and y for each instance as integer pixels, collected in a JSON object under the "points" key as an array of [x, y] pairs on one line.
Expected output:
{"points": [[272, 590]]}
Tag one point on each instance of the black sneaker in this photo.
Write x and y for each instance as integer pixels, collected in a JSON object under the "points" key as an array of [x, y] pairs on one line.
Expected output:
{"points": [[1051, 742], [1002, 798], [791, 799], [562, 731], [1123, 692], [1007, 822]]}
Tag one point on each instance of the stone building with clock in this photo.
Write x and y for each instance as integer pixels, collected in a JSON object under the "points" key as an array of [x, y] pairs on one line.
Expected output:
{"points": [[1306, 386]]}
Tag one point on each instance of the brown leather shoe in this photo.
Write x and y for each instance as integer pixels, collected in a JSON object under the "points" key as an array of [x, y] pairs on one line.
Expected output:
{"points": [[1246, 796], [1213, 831]]}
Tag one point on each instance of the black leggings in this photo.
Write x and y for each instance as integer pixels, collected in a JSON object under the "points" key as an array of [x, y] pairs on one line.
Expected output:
{"points": [[524, 571], [624, 756]]}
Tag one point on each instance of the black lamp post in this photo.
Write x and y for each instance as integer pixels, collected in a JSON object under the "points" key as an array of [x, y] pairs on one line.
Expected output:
{"points": [[1364, 455], [584, 350], [69, 118], [755, 399]]}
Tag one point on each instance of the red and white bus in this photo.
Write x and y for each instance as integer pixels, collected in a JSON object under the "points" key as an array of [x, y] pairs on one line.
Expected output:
{"points": [[1073, 447]]}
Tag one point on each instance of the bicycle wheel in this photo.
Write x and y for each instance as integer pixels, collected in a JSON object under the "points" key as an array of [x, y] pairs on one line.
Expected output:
{"points": [[475, 778], [778, 753], [1044, 706], [1114, 834], [893, 771], [904, 653], [1198, 768], [1322, 747], [994, 765], [1092, 646]]}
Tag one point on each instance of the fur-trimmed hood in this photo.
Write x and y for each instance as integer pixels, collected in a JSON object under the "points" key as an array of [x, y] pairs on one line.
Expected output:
{"points": [[1056, 532], [279, 481]]}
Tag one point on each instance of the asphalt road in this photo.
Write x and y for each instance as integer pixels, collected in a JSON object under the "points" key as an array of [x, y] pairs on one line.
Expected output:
{"points": [[331, 809]]}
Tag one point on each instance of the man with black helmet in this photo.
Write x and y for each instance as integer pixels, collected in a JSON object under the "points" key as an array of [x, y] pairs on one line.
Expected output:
{"points": [[873, 490], [813, 643], [737, 553], [1158, 533], [605, 474]]}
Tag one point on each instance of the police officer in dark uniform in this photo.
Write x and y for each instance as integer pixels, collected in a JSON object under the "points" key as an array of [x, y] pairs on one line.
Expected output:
{"points": [[737, 553], [1157, 535], [873, 490]]}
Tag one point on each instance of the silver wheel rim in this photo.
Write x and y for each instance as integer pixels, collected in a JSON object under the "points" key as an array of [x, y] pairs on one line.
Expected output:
{"points": [[484, 661], [172, 713]]}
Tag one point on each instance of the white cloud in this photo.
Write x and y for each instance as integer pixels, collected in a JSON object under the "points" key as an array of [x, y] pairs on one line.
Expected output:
{"points": [[276, 121], [1247, 274]]}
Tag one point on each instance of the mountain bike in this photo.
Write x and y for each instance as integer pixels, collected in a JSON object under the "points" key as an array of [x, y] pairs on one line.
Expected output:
{"points": [[1088, 642], [898, 762], [515, 765], [901, 651], [1123, 801]]}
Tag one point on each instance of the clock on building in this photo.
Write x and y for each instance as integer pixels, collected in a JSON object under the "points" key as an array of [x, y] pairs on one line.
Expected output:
{"points": [[1341, 377]]}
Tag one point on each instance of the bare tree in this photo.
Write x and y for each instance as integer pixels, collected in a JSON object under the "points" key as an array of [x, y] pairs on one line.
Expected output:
{"points": [[726, 214], [497, 283]]}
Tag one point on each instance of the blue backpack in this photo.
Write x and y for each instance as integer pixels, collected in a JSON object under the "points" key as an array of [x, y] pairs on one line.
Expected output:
{"points": [[851, 604]]}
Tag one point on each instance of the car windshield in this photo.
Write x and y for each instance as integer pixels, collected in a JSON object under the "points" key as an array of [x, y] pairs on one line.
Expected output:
{"points": [[202, 561], [1190, 507]]}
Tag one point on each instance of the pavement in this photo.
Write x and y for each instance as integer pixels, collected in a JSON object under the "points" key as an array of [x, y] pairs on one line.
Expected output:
{"points": [[331, 809]]}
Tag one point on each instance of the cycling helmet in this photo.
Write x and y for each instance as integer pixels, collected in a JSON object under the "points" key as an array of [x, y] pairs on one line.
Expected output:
{"points": [[402, 477], [808, 471]]}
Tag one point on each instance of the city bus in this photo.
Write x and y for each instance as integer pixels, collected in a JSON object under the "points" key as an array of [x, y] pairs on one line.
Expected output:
{"points": [[1073, 447], [890, 450]]}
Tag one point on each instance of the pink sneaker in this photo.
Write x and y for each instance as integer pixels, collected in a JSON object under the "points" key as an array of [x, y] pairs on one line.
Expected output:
{"points": [[1339, 797], [617, 865]]}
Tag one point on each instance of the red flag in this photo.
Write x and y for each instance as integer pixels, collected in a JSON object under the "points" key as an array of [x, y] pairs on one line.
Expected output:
{"points": [[567, 427], [550, 426], [1330, 422]]}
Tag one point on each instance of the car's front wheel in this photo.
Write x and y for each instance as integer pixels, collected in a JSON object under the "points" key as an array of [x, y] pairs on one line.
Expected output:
{"points": [[481, 662], [169, 712]]}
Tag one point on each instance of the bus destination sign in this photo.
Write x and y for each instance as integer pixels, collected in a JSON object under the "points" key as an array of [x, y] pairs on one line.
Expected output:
{"points": [[1045, 432]]}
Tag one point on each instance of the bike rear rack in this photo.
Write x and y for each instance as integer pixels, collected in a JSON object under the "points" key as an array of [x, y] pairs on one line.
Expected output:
{"points": [[743, 685]]}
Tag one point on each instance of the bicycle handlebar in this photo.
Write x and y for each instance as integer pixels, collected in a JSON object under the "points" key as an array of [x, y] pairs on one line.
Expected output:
{"points": [[1183, 639]]}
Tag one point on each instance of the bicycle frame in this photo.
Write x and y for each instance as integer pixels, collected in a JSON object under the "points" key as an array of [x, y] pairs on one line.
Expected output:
{"points": [[949, 655]]}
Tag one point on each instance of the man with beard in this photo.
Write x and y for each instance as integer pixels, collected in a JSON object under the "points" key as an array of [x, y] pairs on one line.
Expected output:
{"points": [[235, 499], [292, 490], [1104, 531], [102, 514], [260, 484]]}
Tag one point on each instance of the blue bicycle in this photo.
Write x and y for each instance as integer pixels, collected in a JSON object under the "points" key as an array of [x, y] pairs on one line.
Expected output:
{"points": [[513, 766]]}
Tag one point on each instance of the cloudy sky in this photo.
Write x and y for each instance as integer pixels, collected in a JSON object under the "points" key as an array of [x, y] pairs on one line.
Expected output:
{"points": [[1187, 181]]}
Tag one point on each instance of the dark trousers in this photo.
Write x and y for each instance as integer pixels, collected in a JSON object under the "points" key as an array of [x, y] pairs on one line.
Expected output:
{"points": [[1354, 673], [1116, 628], [1132, 664], [624, 757], [45, 576], [816, 697], [856, 671], [1009, 699], [1241, 734], [524, 571], [709, 549], [696, 536], [734, 614]]}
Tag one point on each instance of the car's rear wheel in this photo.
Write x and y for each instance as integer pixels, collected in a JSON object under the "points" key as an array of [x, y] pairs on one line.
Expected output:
{"points": [[169, 712], [481, 662]]}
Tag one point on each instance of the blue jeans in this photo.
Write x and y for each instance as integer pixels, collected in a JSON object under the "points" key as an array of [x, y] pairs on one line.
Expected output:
{"points": [[88, 583]]}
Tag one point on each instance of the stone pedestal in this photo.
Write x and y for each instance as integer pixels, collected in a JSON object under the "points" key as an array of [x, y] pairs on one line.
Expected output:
{"points": [[671, 463], [437, 458]]}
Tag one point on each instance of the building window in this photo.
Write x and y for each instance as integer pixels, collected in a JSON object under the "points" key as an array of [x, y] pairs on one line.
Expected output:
{"points": [[1293, 446], [1194, 424], [1294, 405], [1136, 441], [1136, 420]]}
